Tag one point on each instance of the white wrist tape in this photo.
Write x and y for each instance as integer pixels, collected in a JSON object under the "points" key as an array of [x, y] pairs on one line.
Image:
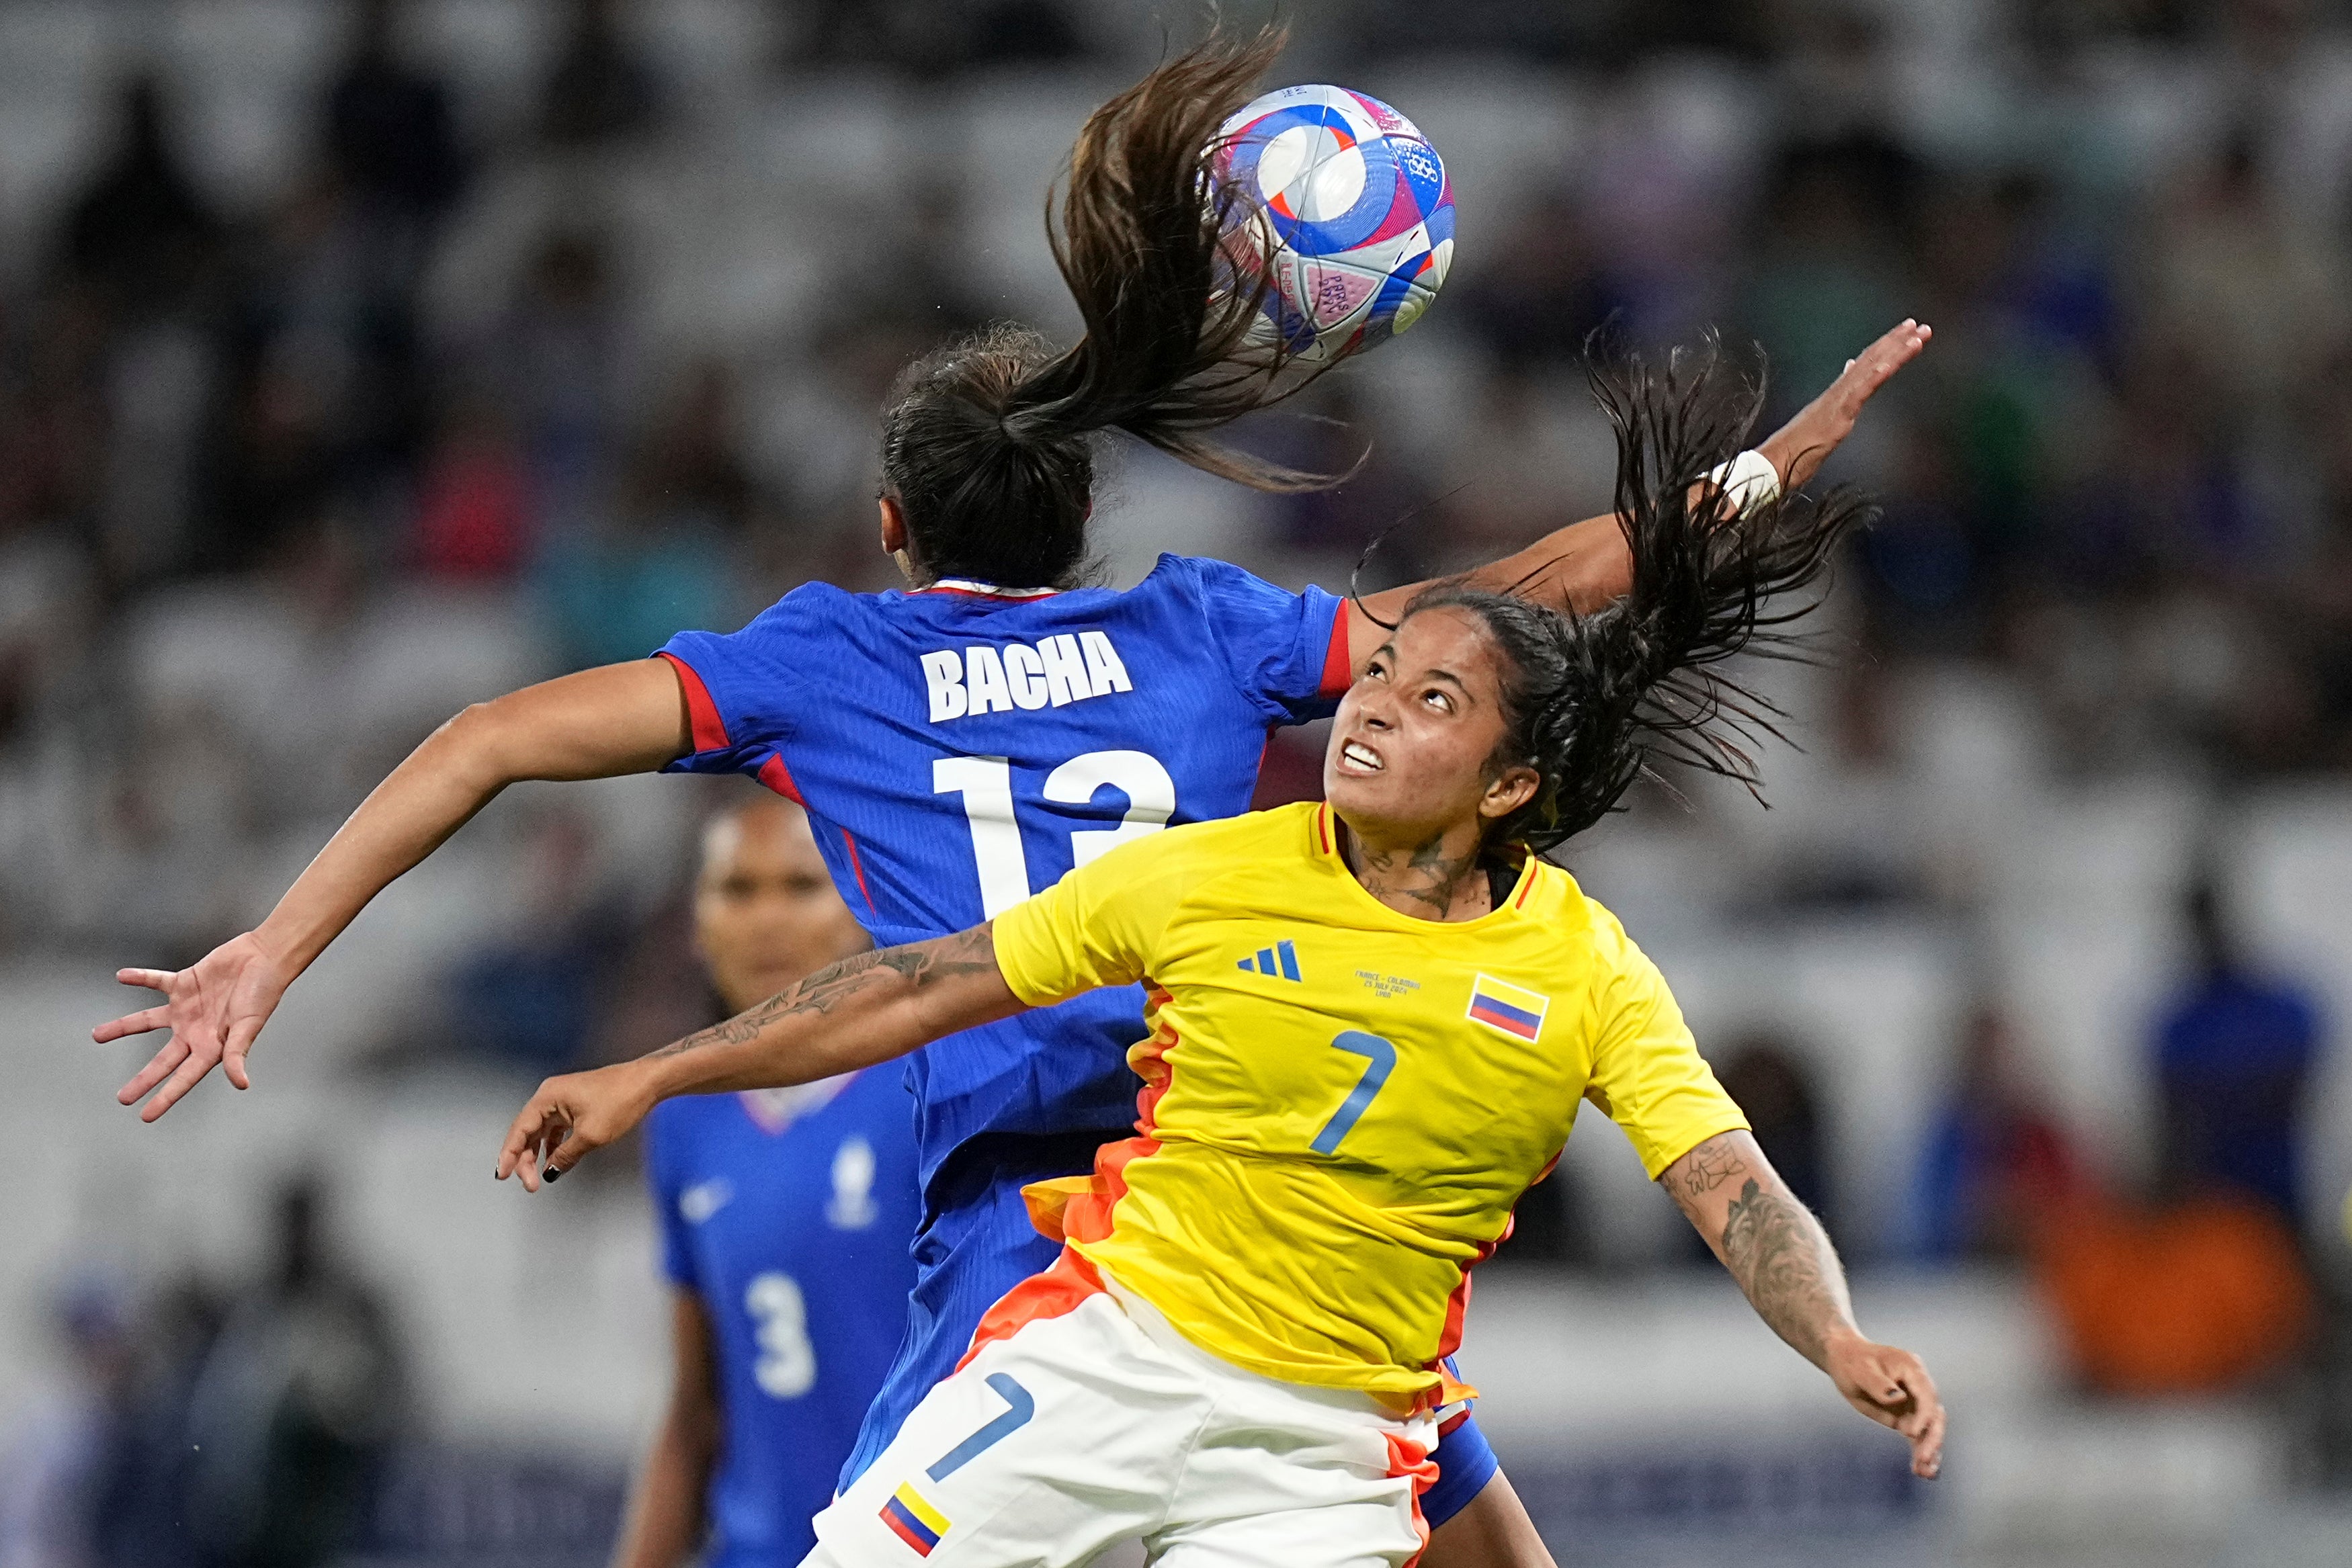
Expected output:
{"points": [[1749, 480]]}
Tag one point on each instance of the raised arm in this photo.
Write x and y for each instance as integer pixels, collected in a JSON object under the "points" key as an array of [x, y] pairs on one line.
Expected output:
{"points": [[864, 1010], [622, 718], [1586, 565], [1783, 1261]]}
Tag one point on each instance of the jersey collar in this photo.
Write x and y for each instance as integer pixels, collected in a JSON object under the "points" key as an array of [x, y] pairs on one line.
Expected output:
{"points": [[969, 587]]}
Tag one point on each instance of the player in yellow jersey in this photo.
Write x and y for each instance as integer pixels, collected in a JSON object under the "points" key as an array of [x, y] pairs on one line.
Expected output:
{"points": [[1371, 1024]]}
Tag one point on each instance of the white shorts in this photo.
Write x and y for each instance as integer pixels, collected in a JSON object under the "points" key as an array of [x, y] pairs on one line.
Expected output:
{"points": [[1100, 1423]]}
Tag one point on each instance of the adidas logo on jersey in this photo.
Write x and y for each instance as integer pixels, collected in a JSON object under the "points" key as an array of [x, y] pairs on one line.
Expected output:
{"points": [[1060, 670], [1280, 959]]}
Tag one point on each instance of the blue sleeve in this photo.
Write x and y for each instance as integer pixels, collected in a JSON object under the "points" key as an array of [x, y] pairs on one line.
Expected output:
{"points": [[661, 1186], [1464, 1465], [744, 687], [1286, 651]]}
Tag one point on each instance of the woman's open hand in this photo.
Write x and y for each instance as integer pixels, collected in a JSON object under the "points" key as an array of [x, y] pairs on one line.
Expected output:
{"points": [[214, 1009], [571, 1115], [1799, 447]]}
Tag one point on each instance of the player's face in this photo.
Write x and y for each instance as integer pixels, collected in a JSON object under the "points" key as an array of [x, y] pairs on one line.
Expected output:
{"points": [[1410, 746], [765, 913]]}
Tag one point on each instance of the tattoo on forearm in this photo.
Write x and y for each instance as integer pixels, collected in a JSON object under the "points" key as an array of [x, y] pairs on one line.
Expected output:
{"points": [[921, 964], [1777, 1251]]}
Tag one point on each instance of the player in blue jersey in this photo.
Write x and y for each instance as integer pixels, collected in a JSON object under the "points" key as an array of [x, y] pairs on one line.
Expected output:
{"points": [[785, 1217], [963, 744]]}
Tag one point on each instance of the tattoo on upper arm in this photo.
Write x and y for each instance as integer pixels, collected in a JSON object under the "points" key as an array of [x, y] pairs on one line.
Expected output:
{"points": [[921, 963], [1704, 1168]]}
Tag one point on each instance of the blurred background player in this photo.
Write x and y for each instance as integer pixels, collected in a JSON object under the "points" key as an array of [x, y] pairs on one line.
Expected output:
{"points": [[786, 1216]]}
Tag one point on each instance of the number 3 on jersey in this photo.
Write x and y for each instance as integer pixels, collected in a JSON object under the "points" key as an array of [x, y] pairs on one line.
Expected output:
{"points": [[986, 785]]}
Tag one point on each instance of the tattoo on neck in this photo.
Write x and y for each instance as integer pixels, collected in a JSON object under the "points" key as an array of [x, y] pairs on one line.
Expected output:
{"points": [[1428, 876]]}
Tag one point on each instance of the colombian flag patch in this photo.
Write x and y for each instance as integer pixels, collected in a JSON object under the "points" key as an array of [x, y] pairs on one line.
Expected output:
{"points": [[913, 1520], [1509, 1009]]}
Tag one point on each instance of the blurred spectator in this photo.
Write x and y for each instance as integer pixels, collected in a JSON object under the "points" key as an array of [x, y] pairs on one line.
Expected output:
{"points": [[1543, 292], [2233, 1060], [689, 465], [2193, 1298], [1770, 1080], [564, 363], [2256, 299], [474, 516], [295, 1407], [1995, 1165], [390, 137], [622, 591], [1829, 271], [932, 38], [532, 998], [601, 89], [1378, 503], [55, 1459], [141, 234]]}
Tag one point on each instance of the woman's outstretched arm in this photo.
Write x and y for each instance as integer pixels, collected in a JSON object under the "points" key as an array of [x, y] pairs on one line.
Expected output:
{"points": [[1783, 1261], [1587, 565], [865, 1010], [622, 718]]}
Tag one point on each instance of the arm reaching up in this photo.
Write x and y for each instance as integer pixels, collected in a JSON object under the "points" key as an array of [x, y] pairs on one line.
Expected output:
{"points": [[622, 718], [1587, 565], [864, 1010], [1783, 1261]]}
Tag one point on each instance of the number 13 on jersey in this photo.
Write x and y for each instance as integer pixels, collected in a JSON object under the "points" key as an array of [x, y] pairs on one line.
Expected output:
{"points": [[986, 785]]}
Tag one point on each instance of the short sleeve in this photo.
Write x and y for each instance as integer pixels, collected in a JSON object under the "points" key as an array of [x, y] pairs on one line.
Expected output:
{"points": [[1286, 652], [744, 687], [1099, 926], [1647, 1074], [662, 1188]]}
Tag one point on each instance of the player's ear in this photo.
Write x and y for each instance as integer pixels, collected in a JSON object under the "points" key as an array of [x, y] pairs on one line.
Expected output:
{"points": [[894, 524], [1507, 791]]}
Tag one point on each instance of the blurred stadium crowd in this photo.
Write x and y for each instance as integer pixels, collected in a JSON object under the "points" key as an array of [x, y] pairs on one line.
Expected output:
{"points": [[358, 361]]}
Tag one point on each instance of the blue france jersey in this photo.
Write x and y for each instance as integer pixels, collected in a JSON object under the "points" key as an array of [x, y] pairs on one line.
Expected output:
{"points": [[961, 747], [793, 1229]]}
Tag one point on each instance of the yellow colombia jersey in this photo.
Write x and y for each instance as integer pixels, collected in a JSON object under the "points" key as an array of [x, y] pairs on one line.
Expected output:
{"points": [[1342, 1102]]}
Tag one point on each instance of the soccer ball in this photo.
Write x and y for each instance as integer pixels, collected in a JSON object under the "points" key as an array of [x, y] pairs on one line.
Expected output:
{"points": [[1351, 219]]}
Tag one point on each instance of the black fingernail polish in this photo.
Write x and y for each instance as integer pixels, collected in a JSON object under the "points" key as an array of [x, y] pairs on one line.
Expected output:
{"points": [[549, 1175]]}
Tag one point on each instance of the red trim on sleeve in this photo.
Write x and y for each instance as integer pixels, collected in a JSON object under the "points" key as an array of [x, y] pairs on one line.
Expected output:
{"points": [[1338, 666], [857, 867], [708, 731], [779, 778]]}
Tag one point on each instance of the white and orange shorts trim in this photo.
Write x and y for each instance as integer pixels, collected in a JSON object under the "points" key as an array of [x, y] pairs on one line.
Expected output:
{"points": [[1082, 1419]]}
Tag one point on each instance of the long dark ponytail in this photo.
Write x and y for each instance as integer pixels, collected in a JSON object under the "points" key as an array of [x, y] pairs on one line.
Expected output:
{"points": [[1595, 701], [988, 445]]}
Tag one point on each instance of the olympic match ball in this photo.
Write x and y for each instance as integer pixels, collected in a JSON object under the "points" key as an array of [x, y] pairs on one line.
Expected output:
{"points": [[1354, 218]]}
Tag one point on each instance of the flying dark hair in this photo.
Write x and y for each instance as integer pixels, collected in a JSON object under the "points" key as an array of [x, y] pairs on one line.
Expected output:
{"points": [[1594, 701], [988, 445]]}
